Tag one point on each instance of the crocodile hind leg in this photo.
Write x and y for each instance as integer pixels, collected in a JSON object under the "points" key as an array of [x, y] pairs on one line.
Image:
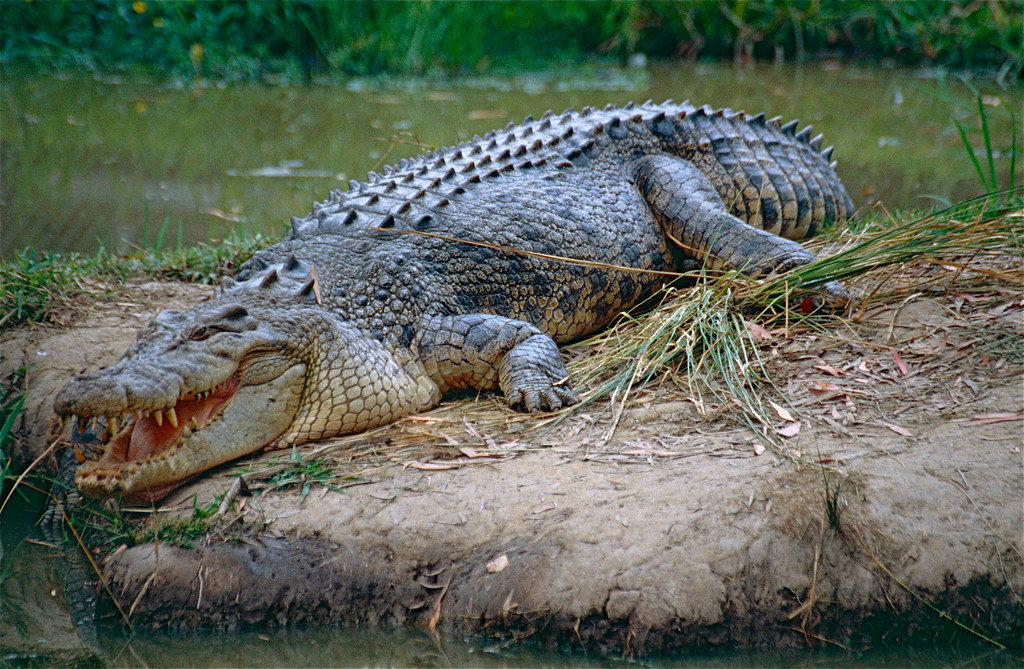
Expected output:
{"points": [[690, 209], [484, 351]]}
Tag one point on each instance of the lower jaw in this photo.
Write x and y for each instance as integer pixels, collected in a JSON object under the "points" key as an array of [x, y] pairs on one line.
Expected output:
{"points": [[154, 494], [96, 487]]}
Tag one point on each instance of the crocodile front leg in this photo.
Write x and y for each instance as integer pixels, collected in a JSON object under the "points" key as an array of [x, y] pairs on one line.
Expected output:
{"points": [[693, 214], [484, 351]]}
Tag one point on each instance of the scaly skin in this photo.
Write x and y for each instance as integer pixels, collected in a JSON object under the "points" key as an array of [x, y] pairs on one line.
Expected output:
{"points": [[438, 275]]}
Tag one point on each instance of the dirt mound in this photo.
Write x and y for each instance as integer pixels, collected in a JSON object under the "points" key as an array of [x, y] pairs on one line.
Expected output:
{"points": [[905, 501]]}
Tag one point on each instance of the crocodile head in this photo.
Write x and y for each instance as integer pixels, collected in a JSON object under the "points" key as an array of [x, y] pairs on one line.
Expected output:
{"points": [[237, 373]]}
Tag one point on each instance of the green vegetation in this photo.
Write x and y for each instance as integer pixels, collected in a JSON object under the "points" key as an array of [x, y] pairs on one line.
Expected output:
{"points": [[234, 39], [988, 176], [35, 284], [12, 399], [298, 471], [178, 530], [103, 527]]}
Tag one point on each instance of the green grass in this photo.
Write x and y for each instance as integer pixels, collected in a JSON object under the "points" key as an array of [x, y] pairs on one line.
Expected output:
{"points": [[298, 472], [34, 284], [178, 531], [11, 403], [232, 39], [103, 526], [987, 176]]}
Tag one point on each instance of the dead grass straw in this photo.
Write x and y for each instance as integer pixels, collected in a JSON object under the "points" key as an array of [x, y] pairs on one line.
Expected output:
{"points": [[700, 340]]}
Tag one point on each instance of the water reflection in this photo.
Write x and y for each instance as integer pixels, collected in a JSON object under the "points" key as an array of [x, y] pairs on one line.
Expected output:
{"points": [[116, 162]]}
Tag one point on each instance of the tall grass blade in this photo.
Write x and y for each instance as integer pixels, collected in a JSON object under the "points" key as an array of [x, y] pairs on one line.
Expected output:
{"points": [[1013, 145], [5, 433], [988, 144], [970, 154], [160, 233]]}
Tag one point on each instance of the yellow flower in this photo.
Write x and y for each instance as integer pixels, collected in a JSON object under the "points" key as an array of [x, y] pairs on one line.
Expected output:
{"points": [[196, 51], [158, 22], [140, 107], [139, 6]]}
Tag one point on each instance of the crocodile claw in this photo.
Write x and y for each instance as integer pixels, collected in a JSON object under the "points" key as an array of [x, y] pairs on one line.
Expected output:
{"points": [[534, 400]]}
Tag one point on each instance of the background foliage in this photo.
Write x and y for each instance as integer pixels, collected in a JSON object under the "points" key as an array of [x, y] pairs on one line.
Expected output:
{"points": [[248, 39]]}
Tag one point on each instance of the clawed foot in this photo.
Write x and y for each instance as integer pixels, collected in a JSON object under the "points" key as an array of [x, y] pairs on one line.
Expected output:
{"points": [[533, 376], [541, 395]]}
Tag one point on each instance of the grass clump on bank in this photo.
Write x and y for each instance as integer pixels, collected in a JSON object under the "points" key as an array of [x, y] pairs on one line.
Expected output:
{"points": [[703, 340], [35, 285], [248, 39]]}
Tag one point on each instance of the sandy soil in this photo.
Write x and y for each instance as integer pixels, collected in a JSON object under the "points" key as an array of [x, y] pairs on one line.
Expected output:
{"points": [[675, 530]]}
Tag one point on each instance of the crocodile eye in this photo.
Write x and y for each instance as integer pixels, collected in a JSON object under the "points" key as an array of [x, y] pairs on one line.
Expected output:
{"points": [[200, 333]]}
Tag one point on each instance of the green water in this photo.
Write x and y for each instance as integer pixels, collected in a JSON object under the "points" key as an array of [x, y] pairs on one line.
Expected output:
{"points": [[90, 161]]}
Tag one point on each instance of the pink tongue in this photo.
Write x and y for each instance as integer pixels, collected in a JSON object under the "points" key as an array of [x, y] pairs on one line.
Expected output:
{"points": [[148, 438]]}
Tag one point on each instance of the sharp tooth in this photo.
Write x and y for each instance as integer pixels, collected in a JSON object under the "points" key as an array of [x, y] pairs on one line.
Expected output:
{"points": [[193, 423], [83, 424], [186, 432], [172, 416], [79, 455], [159, 416], [112, 427], [93, 423]]}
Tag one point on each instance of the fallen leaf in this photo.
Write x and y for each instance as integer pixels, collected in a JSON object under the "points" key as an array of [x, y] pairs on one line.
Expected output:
{"points": [[783, 414], [790, 430], [822, 387], [759, 332], [497, 564], [900, 430], [863, 366], [986, 418], [474, 454], [899, 363], [758, 450], [430, 466], [830, 370], [968, 297]]}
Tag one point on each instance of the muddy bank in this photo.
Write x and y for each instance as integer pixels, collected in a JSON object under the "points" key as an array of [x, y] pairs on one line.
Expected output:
{"points": [[672, 532], [714, 548]]}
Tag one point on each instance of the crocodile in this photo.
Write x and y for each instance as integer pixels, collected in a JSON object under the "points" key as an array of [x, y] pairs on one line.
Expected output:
{"points": [[460, 268]]}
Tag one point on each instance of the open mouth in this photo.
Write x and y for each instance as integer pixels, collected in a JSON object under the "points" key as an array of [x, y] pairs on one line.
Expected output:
{"points": [[138, 437]]}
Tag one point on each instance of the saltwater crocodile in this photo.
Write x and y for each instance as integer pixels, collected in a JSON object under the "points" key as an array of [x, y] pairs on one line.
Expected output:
{"points": [[460, 268]]}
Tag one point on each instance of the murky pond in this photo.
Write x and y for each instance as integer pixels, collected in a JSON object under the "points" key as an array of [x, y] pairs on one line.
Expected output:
{"points": [[120, 163]]}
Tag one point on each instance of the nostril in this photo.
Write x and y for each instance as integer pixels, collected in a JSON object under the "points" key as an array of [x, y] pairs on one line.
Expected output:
{"points": [[233, 311]]}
